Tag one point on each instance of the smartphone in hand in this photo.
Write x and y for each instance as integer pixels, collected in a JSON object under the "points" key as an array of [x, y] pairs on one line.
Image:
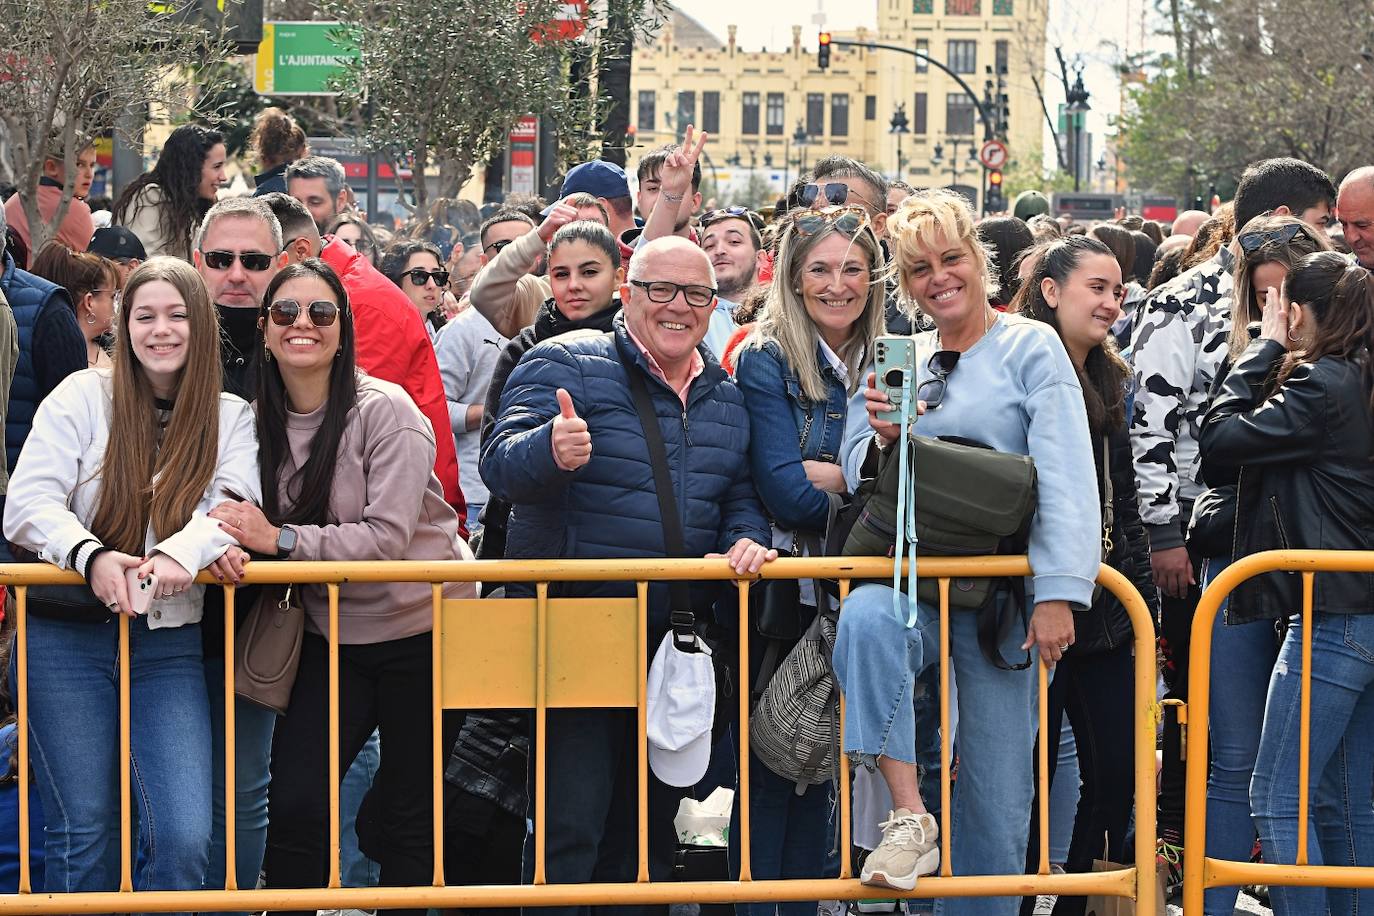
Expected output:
{"points": [[141, 591]]}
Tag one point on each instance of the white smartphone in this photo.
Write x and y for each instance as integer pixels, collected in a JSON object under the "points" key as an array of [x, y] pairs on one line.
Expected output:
{"points": [[141, 591]]}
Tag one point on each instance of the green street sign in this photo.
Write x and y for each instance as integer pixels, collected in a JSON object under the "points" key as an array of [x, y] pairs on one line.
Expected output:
{"points": [[300, 58]]}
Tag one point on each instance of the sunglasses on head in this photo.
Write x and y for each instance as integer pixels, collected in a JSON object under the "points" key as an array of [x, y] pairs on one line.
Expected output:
{"points": [[255, 261], [322, 312], [743, 213], [932, 390], [420, 276], [849, 220], [1253, 241], [837, 192]]}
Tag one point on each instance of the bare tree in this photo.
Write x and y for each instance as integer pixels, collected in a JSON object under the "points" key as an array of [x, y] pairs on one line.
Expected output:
{"points": [[71, 69]]}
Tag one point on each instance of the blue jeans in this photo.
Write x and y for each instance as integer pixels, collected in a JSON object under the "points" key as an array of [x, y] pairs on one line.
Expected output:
{"points": [[73, 694], [877, 660], [253, 726], [1242, 661], [1340, 828], [788, 836], [356, 869], [1064, 794]]}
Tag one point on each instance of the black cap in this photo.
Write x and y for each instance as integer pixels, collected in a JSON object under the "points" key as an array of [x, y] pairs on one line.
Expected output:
{"points": [[117, 244]]}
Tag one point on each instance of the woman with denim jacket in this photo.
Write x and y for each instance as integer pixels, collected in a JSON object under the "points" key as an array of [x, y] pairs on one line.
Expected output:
{"points": [[798, 370], [1297, 412]]}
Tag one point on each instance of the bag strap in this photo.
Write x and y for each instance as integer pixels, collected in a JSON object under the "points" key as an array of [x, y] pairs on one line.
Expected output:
{"points": [[1108, 499], [674, 544], [906, 516]]}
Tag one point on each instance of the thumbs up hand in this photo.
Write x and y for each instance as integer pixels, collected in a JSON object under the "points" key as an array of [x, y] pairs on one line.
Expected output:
{"points": [[572, 443]]}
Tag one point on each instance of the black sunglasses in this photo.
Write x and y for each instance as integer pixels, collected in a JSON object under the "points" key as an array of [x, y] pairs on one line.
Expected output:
{"points": [[322, 312], [255, 261], [849, 220], [498, 246], [941, 364], [837, 192], [1251, 242], [664, 291], [420, 277]]}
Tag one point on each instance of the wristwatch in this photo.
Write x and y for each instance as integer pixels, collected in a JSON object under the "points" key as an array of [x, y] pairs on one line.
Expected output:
{"points": [[286, 542]]}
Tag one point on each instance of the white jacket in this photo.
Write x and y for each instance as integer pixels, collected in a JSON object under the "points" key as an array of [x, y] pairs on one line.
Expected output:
{"points": [[55, 485]]}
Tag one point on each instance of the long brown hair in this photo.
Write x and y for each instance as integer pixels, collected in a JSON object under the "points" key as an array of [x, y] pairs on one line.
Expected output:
{"points": [[1340, 296], [1246, 306], [144, 482]]}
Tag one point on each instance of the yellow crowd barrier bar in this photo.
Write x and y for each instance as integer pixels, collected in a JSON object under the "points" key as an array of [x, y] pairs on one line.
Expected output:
{"points": [[552, 653], [231, 879], [1200, 871]]}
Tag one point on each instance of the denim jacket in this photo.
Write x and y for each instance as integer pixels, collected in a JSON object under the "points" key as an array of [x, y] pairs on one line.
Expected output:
{"points": [[787, 429]]}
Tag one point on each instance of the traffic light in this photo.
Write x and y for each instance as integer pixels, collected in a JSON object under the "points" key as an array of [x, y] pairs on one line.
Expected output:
{"points": [[823, 51], [995, 202]]}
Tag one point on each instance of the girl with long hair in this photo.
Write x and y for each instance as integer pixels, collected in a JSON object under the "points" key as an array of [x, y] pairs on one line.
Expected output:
{"points": [[164, 207], [347, 474], [1076, 287], [93, 284], [1296, 414], [798, 371], [117, 477]]}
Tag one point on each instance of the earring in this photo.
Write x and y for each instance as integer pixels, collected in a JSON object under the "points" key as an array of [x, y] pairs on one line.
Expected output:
{"points": [[1294, 338], [90, 319], [266, 353], [338, 353]]}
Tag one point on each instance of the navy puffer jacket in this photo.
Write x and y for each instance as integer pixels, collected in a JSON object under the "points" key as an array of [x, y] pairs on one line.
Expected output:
{"points": [[608, 507]]}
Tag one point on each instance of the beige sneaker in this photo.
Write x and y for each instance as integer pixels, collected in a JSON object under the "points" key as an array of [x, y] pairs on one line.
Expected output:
{"points": [[908, 850]]}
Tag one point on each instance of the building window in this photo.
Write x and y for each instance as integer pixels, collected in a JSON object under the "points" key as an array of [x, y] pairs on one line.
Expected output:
{"points": [[646, 111], [750, 122], [815, 114], [870, 108], [959, 113], [775, 114], [922, 65], [963, 55], [710, 112], [839, 115], [920, 119], [1001, 7], [923, 6], [686, 112], [1002, 54], [963, 8]]}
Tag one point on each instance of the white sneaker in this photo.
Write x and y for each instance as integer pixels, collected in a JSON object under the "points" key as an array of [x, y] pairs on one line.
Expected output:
{"points": [[1044, 904], [908, 850]]}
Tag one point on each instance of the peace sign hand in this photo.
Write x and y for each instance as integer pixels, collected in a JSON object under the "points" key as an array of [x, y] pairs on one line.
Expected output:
{"points": [[675, 175]]}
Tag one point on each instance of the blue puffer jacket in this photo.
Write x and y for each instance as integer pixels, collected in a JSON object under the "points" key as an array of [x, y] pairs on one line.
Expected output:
{"points": [[609, 507]]}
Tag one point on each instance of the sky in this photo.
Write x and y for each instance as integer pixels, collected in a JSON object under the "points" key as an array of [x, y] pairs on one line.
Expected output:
{"points": [[1096, 32]]}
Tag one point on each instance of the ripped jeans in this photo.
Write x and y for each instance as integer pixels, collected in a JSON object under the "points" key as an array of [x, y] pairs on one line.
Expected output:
{"points": [[877, 661]]}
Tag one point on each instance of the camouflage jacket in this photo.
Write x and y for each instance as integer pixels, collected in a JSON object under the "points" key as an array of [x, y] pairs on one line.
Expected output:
{"points": [[1178, 343]]}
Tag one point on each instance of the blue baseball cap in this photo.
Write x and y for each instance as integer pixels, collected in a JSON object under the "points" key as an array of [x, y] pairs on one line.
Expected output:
{"points": [[598, 178]]}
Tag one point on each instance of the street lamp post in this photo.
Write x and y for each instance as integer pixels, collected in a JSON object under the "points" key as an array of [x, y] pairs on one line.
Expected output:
{"points": [[898, 127], [800, 140], [956, 168], [1077, 98]]}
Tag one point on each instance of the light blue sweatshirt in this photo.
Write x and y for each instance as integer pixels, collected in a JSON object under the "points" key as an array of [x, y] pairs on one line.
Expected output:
{"points": [[1016, 391]]}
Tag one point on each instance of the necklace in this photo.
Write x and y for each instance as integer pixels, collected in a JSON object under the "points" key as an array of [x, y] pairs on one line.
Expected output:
{"points": [[991, 319]]}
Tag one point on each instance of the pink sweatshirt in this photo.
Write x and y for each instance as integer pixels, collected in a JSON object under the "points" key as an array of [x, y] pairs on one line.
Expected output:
{"points": [[388, 505]]}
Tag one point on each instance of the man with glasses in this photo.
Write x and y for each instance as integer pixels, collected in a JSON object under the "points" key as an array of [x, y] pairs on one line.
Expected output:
{"points": [[502, 228], [570, 452], [389, 337], [839, 181]]}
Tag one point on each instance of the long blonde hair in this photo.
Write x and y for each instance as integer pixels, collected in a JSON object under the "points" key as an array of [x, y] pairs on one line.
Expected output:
{"points": [[784, 319], [1246, 305], [919, 221], [144, 482]]}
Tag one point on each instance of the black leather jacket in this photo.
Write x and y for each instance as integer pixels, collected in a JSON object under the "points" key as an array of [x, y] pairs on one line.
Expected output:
{"points": [[1306, 477], [1106, 625]]}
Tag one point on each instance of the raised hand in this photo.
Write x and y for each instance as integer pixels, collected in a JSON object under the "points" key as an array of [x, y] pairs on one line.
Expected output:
{"points": [[558, 217], [675, 175], [572, 442]]}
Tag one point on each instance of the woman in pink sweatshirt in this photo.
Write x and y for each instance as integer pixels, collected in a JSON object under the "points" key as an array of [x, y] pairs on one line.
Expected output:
{"points": [[347, 473]]}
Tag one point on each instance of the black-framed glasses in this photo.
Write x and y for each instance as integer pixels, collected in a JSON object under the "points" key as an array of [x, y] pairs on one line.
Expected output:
{"points": [[497, 246], [419, 276], [849, 220], [1251, 242], [837, 192], [322, 312], [255, 261], [665, 291], [736, 212], [942, 363]]}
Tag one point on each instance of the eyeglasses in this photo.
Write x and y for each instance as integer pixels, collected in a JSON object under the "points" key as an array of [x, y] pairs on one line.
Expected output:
{"points": [[255, 261], [115, 295], [664, 291], [849, 220], [420, 276], [743, 213], [498, 246], [1251, 242], [322, 312], [837, 192], [941, 364]]}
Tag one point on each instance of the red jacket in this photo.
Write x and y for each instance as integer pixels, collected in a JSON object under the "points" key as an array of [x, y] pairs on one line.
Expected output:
{"points": [[392, 345]]}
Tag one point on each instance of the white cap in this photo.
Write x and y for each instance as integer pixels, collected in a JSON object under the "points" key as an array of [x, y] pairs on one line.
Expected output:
{"points": [[681, 708]]}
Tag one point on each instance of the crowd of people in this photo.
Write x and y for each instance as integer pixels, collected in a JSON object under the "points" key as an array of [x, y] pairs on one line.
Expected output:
{"points": [[210, 379]]}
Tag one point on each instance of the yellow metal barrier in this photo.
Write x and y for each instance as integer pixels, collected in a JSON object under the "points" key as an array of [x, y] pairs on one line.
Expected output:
{"points": [[1200, 871], [557, 637]]}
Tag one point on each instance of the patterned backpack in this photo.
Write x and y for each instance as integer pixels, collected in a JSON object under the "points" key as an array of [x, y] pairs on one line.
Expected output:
{"points": [[795, 727]]}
